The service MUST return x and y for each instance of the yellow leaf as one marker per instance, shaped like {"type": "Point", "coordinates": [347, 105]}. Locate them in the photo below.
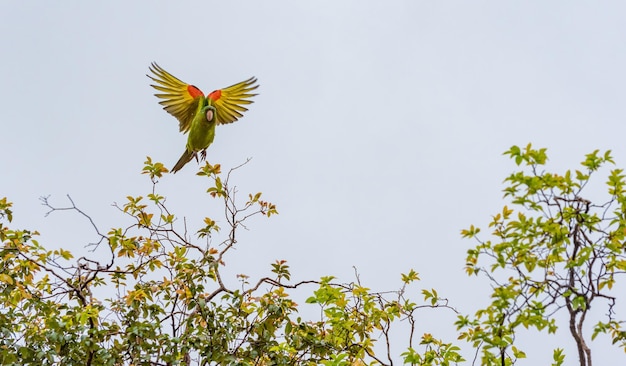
{"type": "Point", "coordinates": [6, 278]}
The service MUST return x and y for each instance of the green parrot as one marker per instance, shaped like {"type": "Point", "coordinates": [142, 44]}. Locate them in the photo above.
{"type": "Point", "coordinates": [198, 114]}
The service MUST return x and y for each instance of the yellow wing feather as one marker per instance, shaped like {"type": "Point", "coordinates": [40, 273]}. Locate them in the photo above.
{"type": "Point", "coordinates": [229, 102]}
{"type": "Point", "coordinates": [179, 98]}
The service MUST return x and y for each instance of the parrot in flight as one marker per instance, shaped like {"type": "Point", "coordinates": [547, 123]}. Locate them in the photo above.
{"type": "Point", "coordinates": [198, 115]}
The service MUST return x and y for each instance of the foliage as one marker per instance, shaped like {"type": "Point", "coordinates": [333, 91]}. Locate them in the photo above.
{"type": "Point", "coordinates": [554, 251]}
{"type": "Point", "coordinates": [160, 297]}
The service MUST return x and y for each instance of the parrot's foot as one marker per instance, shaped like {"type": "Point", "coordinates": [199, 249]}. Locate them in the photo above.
{"type": "Point", "coordinates": [195, 155]}
{"type": "Point", "coordinates": [203, 155]}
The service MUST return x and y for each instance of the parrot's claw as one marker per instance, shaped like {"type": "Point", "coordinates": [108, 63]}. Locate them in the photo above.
{"type": "Point", "coordinates": [203, 155]}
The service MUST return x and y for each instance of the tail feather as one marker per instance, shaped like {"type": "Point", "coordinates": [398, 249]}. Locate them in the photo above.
{"type": "Point", "coordinates": [187, 156]}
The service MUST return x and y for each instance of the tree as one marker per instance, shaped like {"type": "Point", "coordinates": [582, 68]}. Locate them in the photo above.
{"type": "Point", "coordinates": [160, 297]}
{"type": "Point", "coordinates": [555, 251]}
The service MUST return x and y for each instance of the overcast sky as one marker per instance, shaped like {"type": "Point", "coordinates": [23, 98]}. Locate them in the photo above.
{"type": "Point", "coordinates": [378, 131]}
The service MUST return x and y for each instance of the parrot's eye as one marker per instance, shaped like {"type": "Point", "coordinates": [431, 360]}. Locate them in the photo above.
{"type": "Point", "coordinates": [209, 115]}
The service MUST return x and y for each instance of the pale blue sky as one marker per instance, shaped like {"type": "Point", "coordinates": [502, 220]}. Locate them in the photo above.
{"type": "Point", "coordinates": [378, 130]}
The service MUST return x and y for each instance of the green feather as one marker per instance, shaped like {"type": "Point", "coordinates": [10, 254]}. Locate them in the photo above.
{"type": "Point", "coordinates": [201, 134]}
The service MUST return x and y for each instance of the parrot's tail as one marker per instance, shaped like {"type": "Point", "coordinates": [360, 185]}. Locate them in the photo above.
{"type": "Point", "coordinates": [187, 155]}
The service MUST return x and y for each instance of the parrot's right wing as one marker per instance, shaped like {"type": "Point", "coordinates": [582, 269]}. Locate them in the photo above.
{"type": "Point", "coordinates": [179, 99]}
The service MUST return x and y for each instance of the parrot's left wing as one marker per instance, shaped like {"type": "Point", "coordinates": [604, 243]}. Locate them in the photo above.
{"type": "Point", "coordinates": [179, 98]}
{"type": "Point", "coordinates": [229, 102]}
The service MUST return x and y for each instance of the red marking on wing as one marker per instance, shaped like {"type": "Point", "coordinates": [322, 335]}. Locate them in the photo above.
{"type": "Point", "coordinates": [215, 95]}
{"type": "Point", "coordinates": [193, 91]}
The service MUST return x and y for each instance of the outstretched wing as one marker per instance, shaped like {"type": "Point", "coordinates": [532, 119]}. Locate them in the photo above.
{"type": "Point", "coordinates": [229, 102]}
{"type": "Point", "coordinates": [179, 99]}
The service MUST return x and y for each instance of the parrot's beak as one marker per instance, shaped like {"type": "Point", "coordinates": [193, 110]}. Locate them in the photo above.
{"type": "Point", "coordinates": [209, 115]}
